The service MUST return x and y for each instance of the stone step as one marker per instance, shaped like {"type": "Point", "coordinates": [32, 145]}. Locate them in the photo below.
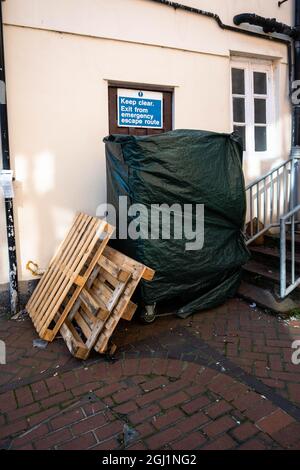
{"type": "Point", "coordinates": [264, 298]}
{"type": "Point", "coordinates": [257, 273]}
{"type": "Point", "coordinates": [273, 239]}
{"type": "Point", "coordinates": [271, 256]}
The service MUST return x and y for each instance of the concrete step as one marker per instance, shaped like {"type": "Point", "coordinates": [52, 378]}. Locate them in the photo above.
{"type": "Point", "coordinates": [261, 275]}
{"type": "Point", "coordinates": [271, 256]}
{"type": "Point", "coordinates": [273, 239]}
{"type": "Point", "coordinates": [266, 277]}
{"type": "Point", "coordinates": [264, 298]}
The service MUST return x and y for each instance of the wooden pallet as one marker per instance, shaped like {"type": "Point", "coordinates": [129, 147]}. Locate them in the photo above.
{"type": "Point", "coordinates": [124, 306]}
{"type": "Point", "coordinates": [103, 302]}
{"type": "Point", "coordinates": [68, 272]}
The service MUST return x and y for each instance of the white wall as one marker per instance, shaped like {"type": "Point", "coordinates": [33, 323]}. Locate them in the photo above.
{"type": "Point", "coordinates": [58, 103]}
{"type": "Point", "coordinates": [147, 22]}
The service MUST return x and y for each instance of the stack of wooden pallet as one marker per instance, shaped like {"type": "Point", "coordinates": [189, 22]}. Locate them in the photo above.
{"type": "Point", "coordinates": [86, 290]}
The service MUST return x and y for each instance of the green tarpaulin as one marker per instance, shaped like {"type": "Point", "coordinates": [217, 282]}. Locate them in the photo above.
{"type": "Point", "coordinates": [183, 167]}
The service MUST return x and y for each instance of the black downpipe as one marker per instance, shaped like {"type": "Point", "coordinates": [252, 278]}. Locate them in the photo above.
{"type": "Point", "coordinates": [295, 154]}
{"type": "Point", "coordinates": [290, 66]}
{"type": "Point", "coordinates": [269, 25]}
{"type": "Point", "coordinates": [10, 226]}
{"type": "Point", "coordinates": [296, 108]}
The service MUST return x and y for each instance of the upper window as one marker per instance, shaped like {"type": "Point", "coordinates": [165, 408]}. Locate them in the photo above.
{"type": "Point", "coordinates": [252, 104]}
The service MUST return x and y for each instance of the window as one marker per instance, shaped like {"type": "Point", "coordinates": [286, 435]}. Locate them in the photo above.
{"type": "Point", "coordinates": [252, 104]}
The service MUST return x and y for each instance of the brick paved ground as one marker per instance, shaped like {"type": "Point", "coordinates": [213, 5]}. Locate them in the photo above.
{"type": "Point", "coordinates": [221, 379]}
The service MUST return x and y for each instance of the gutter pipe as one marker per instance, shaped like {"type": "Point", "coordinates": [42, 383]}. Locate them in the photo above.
{"type": "Point", "coordinates": [215, 17]}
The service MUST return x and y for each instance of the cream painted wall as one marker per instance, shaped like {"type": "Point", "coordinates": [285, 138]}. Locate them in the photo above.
{"type": "Point", "coordinates": [146, 22]}
{"type": "Point", "coordinates": [58, 103]}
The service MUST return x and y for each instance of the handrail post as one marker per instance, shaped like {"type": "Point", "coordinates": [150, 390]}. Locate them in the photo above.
{"type": "Point", "coordinates": [293, 267]}
{"type": "Point", "coordinates": [294, 177]}
{"type": "Point", "coordinates": [292, 186]}
{"type": "Point", "coordinates": [296, 195]}
{"type": "Point", "coordinates": [282, 258]}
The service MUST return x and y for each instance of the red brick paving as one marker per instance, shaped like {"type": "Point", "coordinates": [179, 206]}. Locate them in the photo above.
{"type": "Point", "coordinates": [257, 342]}
{"type": "Point", "coordinates": [51, 401]}
{"type": "Point", "coordinates": [206, 420]}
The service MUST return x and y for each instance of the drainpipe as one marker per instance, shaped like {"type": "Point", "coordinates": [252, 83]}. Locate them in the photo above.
{"type": "Point", "coordinates": [10, 226]}
{"type": "Point", "coordinates": [269, 25]}
{"type": "Point", "coordinates": [295, 153]}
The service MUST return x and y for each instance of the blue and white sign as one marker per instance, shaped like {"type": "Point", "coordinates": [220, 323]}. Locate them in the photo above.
{"type": "Point", "coordinates": [138, 108]}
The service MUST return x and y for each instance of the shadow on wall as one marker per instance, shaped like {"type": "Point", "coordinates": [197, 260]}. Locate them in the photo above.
{"type": "Point", "coordinates": [48, 195]}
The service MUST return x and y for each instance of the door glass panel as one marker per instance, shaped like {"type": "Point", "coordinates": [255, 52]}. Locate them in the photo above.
{"type": "Point", "coordinates": [260, 111]}
{"type": "Point", "coordinates": [260, 83]}
{"type": "Point", "coordinates": [241, 130]}
{"type": "Point", "coordinates": [238, 81]}
{"type": "Point", "coordinates": [239, 109]}
{"type": "Point", "coordinates": [260, 139]}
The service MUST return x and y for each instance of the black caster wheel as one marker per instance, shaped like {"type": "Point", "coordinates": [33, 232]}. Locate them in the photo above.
{"type": "Point", "coordinates": [148, 314]}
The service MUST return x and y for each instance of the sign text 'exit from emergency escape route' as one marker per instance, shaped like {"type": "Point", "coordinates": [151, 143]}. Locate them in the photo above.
{"type": "Point", "coordinates": [138, 108]}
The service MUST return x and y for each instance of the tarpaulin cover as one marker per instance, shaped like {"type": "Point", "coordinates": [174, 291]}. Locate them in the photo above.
{"type": "Point", "coordinates": [184, 167]}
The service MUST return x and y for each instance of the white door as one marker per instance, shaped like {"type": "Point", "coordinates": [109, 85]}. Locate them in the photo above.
{"type": "Point", "coordinates": [253, 109]}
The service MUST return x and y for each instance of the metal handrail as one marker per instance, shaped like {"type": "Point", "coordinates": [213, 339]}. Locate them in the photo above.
{"type": "Point", "coordinates": [268, 198]}
{"type": "Point", "coordinates": [270, 203]}
{"type": "Point", "coordinates": [261, 178]}
{"type": "Point", "coordinates": [284, 290]}
{"type": "Point", "coordinates": [289, 214]}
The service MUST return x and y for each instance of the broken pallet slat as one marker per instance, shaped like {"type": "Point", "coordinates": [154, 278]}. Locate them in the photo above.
{"type": "Point", "coordinates": [128, 263]}
{"type": "Point", "coordinates": [129, 311]}
{"type": "Point", "coordinates": [73, 340]}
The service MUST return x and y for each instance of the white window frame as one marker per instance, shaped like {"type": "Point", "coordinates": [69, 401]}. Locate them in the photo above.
{"type": "Point", "coordinates": [250, 65]}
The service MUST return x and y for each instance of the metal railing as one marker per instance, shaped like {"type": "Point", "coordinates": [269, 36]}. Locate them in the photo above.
{"type": "Point", "coordinates": [271, 202]}
{"type": "Point", "coordinates": [268, 198]}
{"type": "Point", "coordinates": [291, 219]}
